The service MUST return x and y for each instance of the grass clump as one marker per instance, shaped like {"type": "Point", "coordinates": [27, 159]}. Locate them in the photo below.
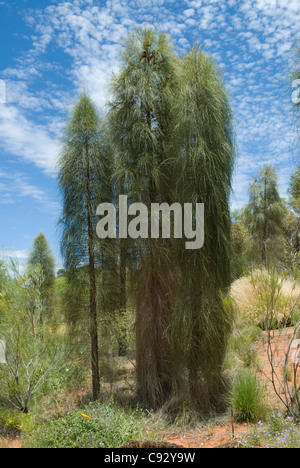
{"type": "Point", "coordinates": [95, 426]}
{"type": "Point", "coordinates": [246, 398]}
{"type": "Point", "coordinates": [265, 299]}
{"type": "Point", "coordinates": [241, 343]}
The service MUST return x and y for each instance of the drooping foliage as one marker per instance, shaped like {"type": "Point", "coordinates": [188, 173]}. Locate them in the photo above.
{"type": "Point", "coordinates": [140, 117]}
{"type": "Point", "coordinates": [170, 136]}
{"type": "Point", "coordinates": [204, 146]}
{"type": "Point", "coordinates": [84, 181]}
{"type": "Point", "coordinates": [173, 124]}
{"type": "Point", "coordinates": [42, 258]}
{"type": "Point", "coordinates": [296, 78]}
{"type": "Point", "coordinates": [294, 191]}
{"type": "Point", "coordinates": [265, 211]}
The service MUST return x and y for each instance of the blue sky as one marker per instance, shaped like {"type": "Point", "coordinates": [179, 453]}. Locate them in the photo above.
{"type": "Point", "coordinates": [51, 49]}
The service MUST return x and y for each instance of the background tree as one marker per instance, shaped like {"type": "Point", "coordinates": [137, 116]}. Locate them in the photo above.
{"type": "Point", "coordinates": [42, 259]}
{"type": "Point", "coordinates": [122, 339]}
{"type": "Point", "coordinates": [84, 181]}
{"type": "Point", "coordinates": [140, 116]}
{"type": "Point", "coordinates": [292, 224]}
{"type": "Point", "coordinates": [32, 353]}
{"type": "Point", "coordinates": [296, 76]}
{"type": "Point", "coordinates": [203, 143]}
{"type": "Point", "coordinates": [294, 191]}
{"type": "Point", "coordinates": [125, 258]}
{"type": "Point", "coordinates": [265, 211]}
{"type": "Point", "coordinates": [240, 245]}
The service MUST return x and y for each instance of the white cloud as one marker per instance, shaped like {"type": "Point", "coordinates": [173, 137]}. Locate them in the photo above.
{"type": "Point", "coordinates": [189, 12]}
{"type": "Point", "coordinates": [14, 187]}
{"type": "Point", "coordinates": [252, 40]}
{"type": "Point", "coordinates": [22, 254]}
{"type": "Point", "coordinates": [25, 139]}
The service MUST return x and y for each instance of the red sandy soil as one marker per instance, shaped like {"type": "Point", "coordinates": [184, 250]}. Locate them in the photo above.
{"type": "Point", "coordinates": [227, 433]}
{"type": "Point", "coordinates": [213, 437]}
{"type": "Point", "coordinates": [217, 436]}
{"type": "Point", "coordinates": [13, 443]}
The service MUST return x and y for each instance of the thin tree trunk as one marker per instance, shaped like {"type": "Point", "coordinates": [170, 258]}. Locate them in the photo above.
{"type": "Point", "coordinates": [94, 331]}
{"type": "Point", "coordinates": [264, 236]}
{"type": "Point", "coordinates": [123, 305]}
{"type": "Point", "coordinates": [93, 292]}
{"type": "Point", "coordinates": [263, 252]}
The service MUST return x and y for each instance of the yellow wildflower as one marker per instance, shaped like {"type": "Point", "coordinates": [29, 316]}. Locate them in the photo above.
{"type": "Point", "coordinates": [85, 416]}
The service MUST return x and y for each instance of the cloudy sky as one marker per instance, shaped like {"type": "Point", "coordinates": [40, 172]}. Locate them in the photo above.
{"type": "Point", "coordinates": [50, 50]}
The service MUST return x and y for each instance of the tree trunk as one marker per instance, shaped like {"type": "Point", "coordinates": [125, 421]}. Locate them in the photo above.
{"type": "Point", "coordinates": [93, 292]}
{"type": "Point", "coordinates": [94, 332]}
{"type": "Point", "coordinates": [123, 332]}
{"type": "Point", "coordinates": [264, 253]}
{"type": "Point", "coordinates": [153, 350]}
{"type": "Point", "coordinates": [265, 233]}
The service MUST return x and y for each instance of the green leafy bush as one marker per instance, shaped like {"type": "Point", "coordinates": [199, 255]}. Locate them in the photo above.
{"type": "Point", "coordinates": [97, 426]}
{"type": "Point", "coordinates": [241, 343]}
{"type": "Point", "coordinates": [246, 398]}
{"type": "Point", "coordinates": [13, 422]}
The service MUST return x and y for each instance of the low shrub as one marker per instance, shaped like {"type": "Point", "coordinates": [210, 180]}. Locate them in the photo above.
{"type": "Point", "coordinates": [15, 422]}
{"type": "Point", "coordinates": [96, 426]}
{"type": "Point", "coordinates": [265, 299]}
{"type": "Point", "coordinates": [241, 341]}
{"type": "Point", "coordinates": [278, 432]}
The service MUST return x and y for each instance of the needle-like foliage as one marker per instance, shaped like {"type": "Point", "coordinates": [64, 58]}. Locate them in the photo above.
{"type": "Point", "coordinates": [140, 115]}
{"type": "Point", "coordinates": [42, 257]}
{"type": "Point", "coordinates": [173, 124]}
{"type": "Point", "coordinates": [294, 191]}
{"type": "Point", "coordinates": [296, 77]}
{"type": "Point", "coordinates": [85, 182]}
{"type": "Point", "coordinates": [265, 211]}
{"type": "Point", "coordinates": [203, 143]}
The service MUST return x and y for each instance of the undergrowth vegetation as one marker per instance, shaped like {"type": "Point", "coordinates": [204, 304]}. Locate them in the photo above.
{"type": "Point", "coordinates": [95, 426]}
{"type": "Point", "coordinates": [278, 432]}
{"type": "Point", "coordinates": [265, 292]}
{"type": "Point", "coordinates": [246, 398]}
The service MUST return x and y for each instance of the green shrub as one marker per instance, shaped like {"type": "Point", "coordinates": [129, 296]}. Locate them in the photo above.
{"type": "Point", "coordinates": [246, 398]}
{"type": "Point", "coordinates": [266, 298]}
{"type": "Point", "coordinates": [97, 426]}
{"type": "Point", "coordinates": [295, 316]}
{"type": "Point", "coordinates": [241, 343]}
{"type": "Point", "coordinates": [67, 377]}
{"type": "Point", "coordinates": [15, 422]}
{"type": "Point", "coordinates": [251, 333]}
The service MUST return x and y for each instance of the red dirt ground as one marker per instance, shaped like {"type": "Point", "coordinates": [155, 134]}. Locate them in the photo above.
{"type": "Point", "coordinates": [220, 435]}
{"type": "Point", "coordinates": [213, 437]}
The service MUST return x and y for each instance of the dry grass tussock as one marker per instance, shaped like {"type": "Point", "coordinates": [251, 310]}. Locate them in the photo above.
{"type": "Point", "coordinates": [253, 295]}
